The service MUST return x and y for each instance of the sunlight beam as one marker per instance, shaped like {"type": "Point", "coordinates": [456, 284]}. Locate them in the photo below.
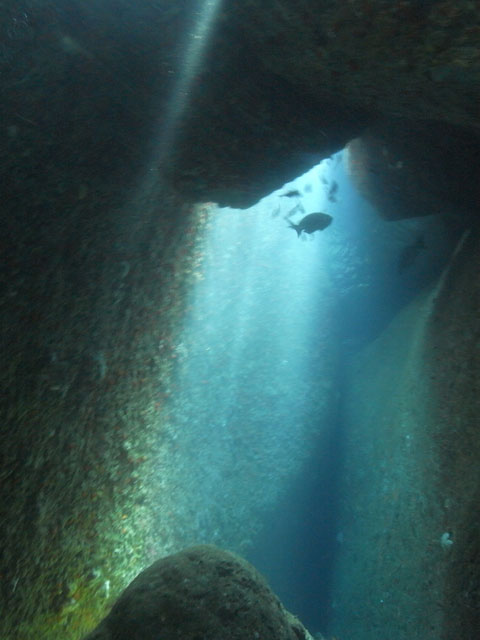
{"type": "Point", "coordinates": [195, 48]}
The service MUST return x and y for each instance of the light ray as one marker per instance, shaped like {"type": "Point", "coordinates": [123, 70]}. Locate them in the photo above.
{"type": "Point", "coordinates": [195, 47]}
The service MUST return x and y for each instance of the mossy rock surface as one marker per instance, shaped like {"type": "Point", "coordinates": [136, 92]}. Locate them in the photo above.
{"type": "Point", "coordinates": [201, 592]}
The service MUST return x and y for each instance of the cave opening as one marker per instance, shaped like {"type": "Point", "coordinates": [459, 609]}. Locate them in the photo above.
{"type": "Point", "coordinates": [177, 372]}
{"type": "Point", "coordinates": [273, 320]}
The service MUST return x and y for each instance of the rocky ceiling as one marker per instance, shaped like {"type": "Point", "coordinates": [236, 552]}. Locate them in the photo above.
{"type": "Point", "coordinates": [287, 82]}
{"type": "Point", "coordinates": [282, 85]}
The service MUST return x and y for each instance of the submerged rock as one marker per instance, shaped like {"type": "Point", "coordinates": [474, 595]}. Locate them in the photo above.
{"type": "Point", "coordinates": [201, 592]}
{"type": "Point", "coordinates": [409, 169]}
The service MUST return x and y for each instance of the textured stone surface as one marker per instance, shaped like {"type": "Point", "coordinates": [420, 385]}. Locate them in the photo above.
{"type": "Point", "coordinates": [284, 80]}
{"type": "Point", "coordinates": [415, 59]}
{"type": "Point", "coordinates": [409, 516]}
{"type": "Point", "coordinates": [202, 592]}
{"type": "Point", "coordinates": [279, 86]}
{"type": "Point", "coordinates": [411, 169]}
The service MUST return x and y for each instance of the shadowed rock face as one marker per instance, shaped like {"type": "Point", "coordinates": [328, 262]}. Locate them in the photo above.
{"type": "Point", "coordinates": [416, 60]}
{"type": "Point", "coordinates": [286, 84]}
{"type": "Point", "coordinates": [202, 592]}
{"type": "Point", "coordinates": [407, 169]}
{"type": "Point", "coordinates": [281, 85]}
{"type": "Point", "coordinates": [251, 131]}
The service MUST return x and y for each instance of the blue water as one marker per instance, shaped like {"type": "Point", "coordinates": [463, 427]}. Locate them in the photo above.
{"type": "Point", "coordinates": [257, 397]}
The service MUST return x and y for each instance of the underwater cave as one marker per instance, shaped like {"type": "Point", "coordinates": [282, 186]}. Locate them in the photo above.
{"type": "Point", "coordinates": [240, 313]}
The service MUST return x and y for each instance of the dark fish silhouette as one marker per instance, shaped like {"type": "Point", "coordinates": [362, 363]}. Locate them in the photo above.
{"type": "Point", "coordinates": [332, 192]}
{"type": "Point", "coordinates": [298, 208]}
{"type": "Point", "coordinates": [311, 223]}
{"type": "Point", "coordinates": [276, 212]}
{"type": "Point", "coordinates": [294, 193]}
{"type": "Point", "coordinates": [409, 254]}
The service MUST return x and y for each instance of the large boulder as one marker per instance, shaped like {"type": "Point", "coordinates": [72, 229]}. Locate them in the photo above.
{"type": "Point", "coordinates": [201, 592]}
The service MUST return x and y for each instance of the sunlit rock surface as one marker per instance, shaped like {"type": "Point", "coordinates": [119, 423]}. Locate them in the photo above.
{"type": "Point", "coordinates": [202, 592]}
{"type": "Point", "coordinates": [408, 555]}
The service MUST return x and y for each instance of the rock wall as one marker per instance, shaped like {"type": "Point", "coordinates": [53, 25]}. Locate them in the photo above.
{"type": "Point", "coordinates": [201, 592]}
{"type": "Point", "coordinates": [417, 60]}
{"type": "Point", "coordinates": [97, 238]}
{"type": "Point", "coordinates": [278, 87]}
{"type": "Point", "coordinates": [88, 351]}
{"type": "Point", "coordinates": [295, 80]}
{"type": "Point", "coordinates": [408, 533]}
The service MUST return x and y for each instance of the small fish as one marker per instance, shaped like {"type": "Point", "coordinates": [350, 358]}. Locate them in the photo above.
{"type": "Point", "coordinates": [293, 193]}
{"type": "Point", "coordinates": [276, 212]}
{"type": "Point", "coordinates": [332, 192]}
{"type": "Point", "coordinates": [298, 208]}
{"type": "Point", "coordinates": [409, 254]}
{"type": "Point", "coordinates": [311, 223]}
